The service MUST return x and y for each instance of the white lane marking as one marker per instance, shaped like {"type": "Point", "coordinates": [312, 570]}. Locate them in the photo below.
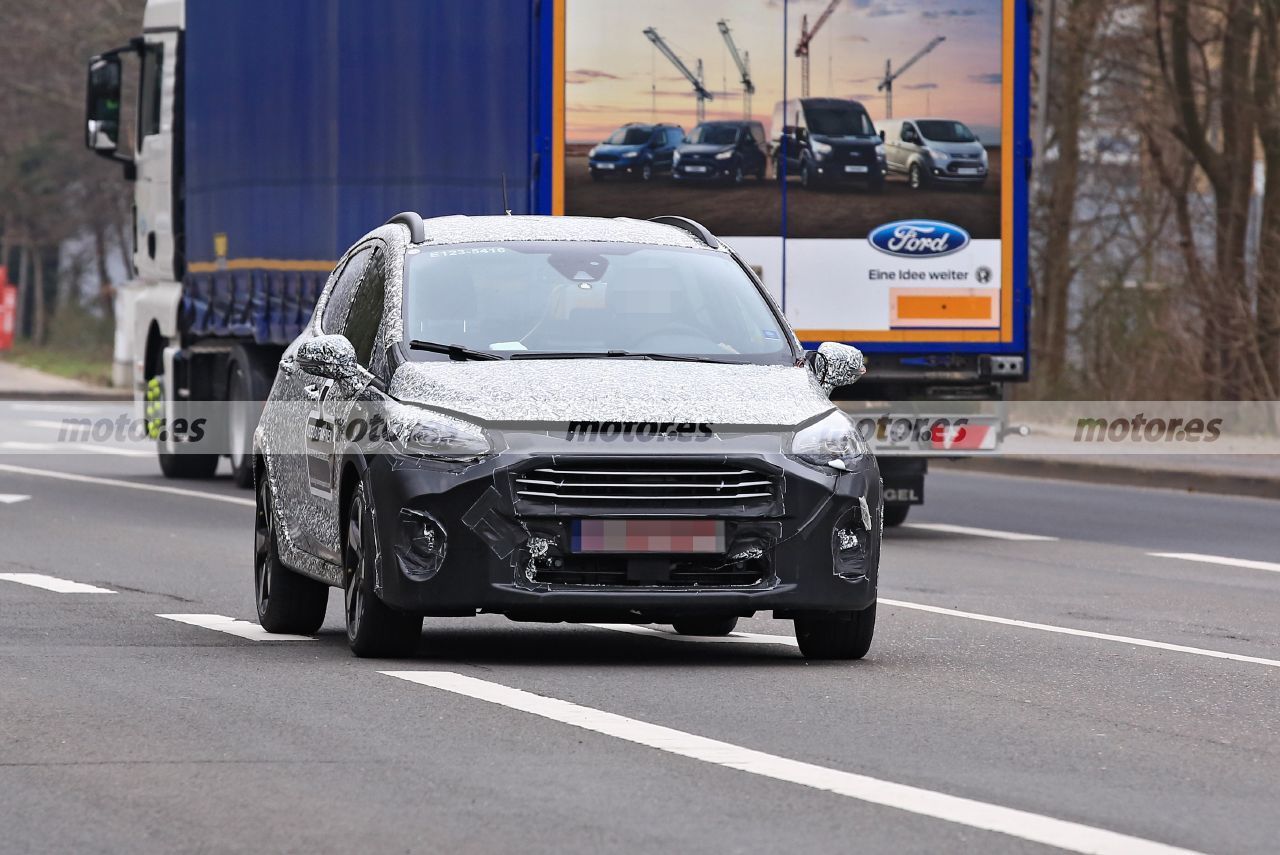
{"type": "Point", "coordinates": [1219, 559]}
{"type": "Point", "coordinates": [53, 583]}
{"type": "Point", "coordinates": [975, 814]}
{"type": "Point", "coordinates": [132, 485]}
{"type": "Point", "coordinates": [239, 628]}
{"type": "Point", "coordinates": [75, 448]}
{"type": "Point", "coordinates": [1084, 633]}
{"type": "Point", "coordinates": [977, 532]}
{"type": "Point", "coordinates": [12, 498]}
{"type": "Point", "coordinates": [732, 638]}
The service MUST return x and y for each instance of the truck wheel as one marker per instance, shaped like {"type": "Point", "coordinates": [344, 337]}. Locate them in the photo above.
{"type": "Point", "coordinates": [916, 178]}
{"type": "Point", "coordinates": [374, 629]}
{"type": "Point", "coordinates": [808, 178]}
{"type": "Point", "coordinates": [738, 175]}
{"type": "Point", "coordinates": [287, 601]}
{"type": "Point", "coordinates": [172, 465]}
{"type": "Point", "coordinates": [646, 172]}
{"type": "Point", "coordinates": [895, 514]}
{"type": "Point", "coordinates": [839, 635]}
{"type": "Point", "coordinates": [704, 625]}
{"type": "Point", "coordinates": [248, 384]}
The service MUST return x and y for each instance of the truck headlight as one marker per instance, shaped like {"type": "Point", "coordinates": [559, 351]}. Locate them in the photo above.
{"type": "Point", "coordinates": [418, 433]}
{"type": "Point", "coordinates": [834, 438]}
{"type": "Point", "coordinates": [592, 153]}
{"type": "Point", "coordinates": [632, 154]}
{"type": "Point", "coordinates": [675, 158]}
{"type": "Point", "coordinates": [880, 150]}
{"type": "Point", "coordinates": [821, 149]}
{"type": "Point", "coordinates": [939, 157]}
{"type": "Point", "coordinates": [725, 155]}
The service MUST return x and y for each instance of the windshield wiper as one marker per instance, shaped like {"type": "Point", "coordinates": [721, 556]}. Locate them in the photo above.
{"type": "Point", "coordinates": [455, 351]}
{"type": "Point", "coordinates": [613, 354]}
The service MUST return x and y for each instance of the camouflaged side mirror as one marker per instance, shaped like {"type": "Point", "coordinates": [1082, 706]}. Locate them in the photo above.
{"type": "Point", "coordinates": [330, 356]}
{"type": "Point", "coordinates": [834, 365]}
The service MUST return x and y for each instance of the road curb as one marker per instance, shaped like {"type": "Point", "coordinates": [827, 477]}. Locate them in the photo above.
{"type": "Point", "coordinates": [1217, 483]}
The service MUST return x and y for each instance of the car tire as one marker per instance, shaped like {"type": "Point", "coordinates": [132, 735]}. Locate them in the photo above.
{"type": "Point", "coordinates": [916, 177]}
{"type": "Point", "coordinates": [287, 601]}
{"type": "Point", "coordinates": [705, 625]}
{"type": "Point", "coordinates": [595, 176]}
{"type": "Point", "coordinates": [184, 465]}
{"type": "Point", "coordinates": [374, 629]}
{"type": "Point", "coordinates": [895, 513]}
{"type": "Point", "coordinates": [838, 635]}
{"type": "Point", "coordinates": [738, 175]}
{"type": "Point", "coordinates": [808, 179]}
{"type": "Point", "coordinates": [248, 384]}
{"type": "Point", "coordinates": [646, 172]}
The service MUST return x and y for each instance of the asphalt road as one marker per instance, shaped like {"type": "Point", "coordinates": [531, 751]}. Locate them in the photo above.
{"type": "Point", "coordinates": [755, 207]}
{"type": "Point", "coordinates": [1116, 693]}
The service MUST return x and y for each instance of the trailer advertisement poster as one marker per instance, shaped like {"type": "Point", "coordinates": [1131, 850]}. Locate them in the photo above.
{"type": "Point", "coordinates": [855, 152]}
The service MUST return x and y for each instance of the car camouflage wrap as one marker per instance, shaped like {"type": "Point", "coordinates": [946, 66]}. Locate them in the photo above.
{"type": "Point", "coordinates": [620, 486]}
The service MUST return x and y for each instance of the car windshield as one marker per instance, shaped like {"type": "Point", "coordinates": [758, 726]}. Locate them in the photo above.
{"type": "Point", "coordinates": [945, 131]}
{"type": "Point", "coordinates": [839, 122]}
{"type": "Point", "coordinates": [564, 298]}
{"type": "Point", "coordinates": [713, 135]}
{"type": "Point", "coordinates": [630, 136]}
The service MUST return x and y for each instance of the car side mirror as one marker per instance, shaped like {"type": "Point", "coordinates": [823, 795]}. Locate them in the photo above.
{"type": "Point", "coordinates": [834, 365]}
{"type": "Point", "coordinates": [882, 136]}
{"type": "Point", "coordinates": [332, 357]}
{"type": "Point", "coordinates": [102, 105]}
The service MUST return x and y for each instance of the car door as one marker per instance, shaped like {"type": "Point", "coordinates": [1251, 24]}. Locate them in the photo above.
{"type": "Point", "coordinates": [303, 468]}
{"type": "Point", "coordinates": [347, 404]}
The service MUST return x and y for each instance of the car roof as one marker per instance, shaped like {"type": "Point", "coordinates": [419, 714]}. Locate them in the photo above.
{"type": "Point", "coordinates": [464, 229]}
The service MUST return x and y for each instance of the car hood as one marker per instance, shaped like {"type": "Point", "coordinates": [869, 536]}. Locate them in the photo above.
{"type": "Point", "coordinates": [703, 148]}
{"type": "Point", "coordinates": [613, 390]}
{"type": "Point", "coordinates": [605, 148]}
{"type": "Point", "coordinates": [956, 147]}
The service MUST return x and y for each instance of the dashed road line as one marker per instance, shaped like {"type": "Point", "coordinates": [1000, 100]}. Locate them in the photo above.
{"type": "Point", "coordinates": [947, 528]}
{"type": "Point", "coordinates": [131, 485]}
{"type": "Point", "coordinates": [12, 498]}
{"type": "Point", "coordinates": [1084, 633]}
{"type": "Point", "coordinates": [53, 583]}
{"type": "Point", "coordinates": [239, 628]}
{"type": "Point", "coordinates": [1219, 559]}
{"type": "Point", "coordinates": [1021, 824]}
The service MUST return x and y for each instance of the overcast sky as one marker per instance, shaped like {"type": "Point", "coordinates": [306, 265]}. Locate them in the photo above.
{"type": "Point", "coordinates": [613, 71]}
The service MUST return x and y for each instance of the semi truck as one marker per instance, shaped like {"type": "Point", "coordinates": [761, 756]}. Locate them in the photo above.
{"type": "Point", "coordinates": [264, 138]}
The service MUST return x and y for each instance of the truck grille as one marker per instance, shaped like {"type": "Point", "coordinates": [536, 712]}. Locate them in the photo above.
{"type": "Point", "coordinates": [641, 487]}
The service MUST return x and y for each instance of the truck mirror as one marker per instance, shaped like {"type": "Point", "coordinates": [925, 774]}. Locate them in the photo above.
{"type": "Point", "coordinates": [882, 136]}
{"type": "Point", "coordinates": [102, 110]}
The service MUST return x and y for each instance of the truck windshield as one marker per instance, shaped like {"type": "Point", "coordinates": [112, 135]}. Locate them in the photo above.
{"type": "Point", "coordinates": [564, 299]}
{"type": "Point", "coordinates": [714, 135]}
{"type": "Point", "coordinates": [630, 136]}
{"type": "Point", "coordinates": [839, 122]}
{"type": "Point", "coordinates": [945, 131]}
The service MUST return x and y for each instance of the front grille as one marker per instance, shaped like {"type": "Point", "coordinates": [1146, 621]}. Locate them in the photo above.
{"type": "Point", "coordinates": [853, 155]}
{"type": "Point", "coordinates": [641, 487]}
{"type": "Point", "coordinates": [606, 158]}
{"type": "Point", "coordinates": [693, 572]}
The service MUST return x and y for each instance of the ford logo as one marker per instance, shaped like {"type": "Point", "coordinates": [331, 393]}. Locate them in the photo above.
{"type": "Point", "coordinates": [919, 238]}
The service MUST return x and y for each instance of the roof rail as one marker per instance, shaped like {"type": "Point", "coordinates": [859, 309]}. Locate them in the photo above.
{"type": "Point", "coordinates": [413, 220]}
{"type": "Point", "coordinates": [693, 227]}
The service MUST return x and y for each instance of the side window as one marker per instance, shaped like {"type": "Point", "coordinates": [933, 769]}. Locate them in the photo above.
{"type": "Point", "coordinates": [363, 319]}
{"type": "Point", "coordinates": [149, 92]}
{"type": "Point", "coordinates": [676, 135]}
{"type": "Point", "coordinates": [757, 131]}
{"type": "Point", "coordinates": [908, 132]}
{"type": "Point", "coordinates": [335, 307]}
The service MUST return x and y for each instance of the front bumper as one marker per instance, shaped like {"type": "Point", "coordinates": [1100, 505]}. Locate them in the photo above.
{"type": "Point", "coordinates": [711, 170]}
{"type": "Point", "coordinates": [837, 171]}
{"type": "Point", "coordinates": [500, 553]}
{"type": "Point", "coordinates": [629, 166]}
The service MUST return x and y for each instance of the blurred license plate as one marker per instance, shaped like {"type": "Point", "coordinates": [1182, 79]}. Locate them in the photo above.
{"type": "Point", "coordinates": [969, 171]}
{"type": "Point", "coordinates": [855, 169]}
{"type": "Point", "coordinates": [604, 166]}
{"type": "Point", "coordinates": [695, 169]}
{"type": "Point", "coordinates": [642, 536]}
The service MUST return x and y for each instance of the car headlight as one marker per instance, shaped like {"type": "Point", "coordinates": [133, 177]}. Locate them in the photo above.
{"type": "Point", "coordinates": [419, 433]}
{"type": "Point", "coordinates": [675, 158]}
{"type": "Point", "coordinates": [821, 149]}
{"type": "Point", "coordinates": [632, 154]}
{"type": "Point", "coordinates": [835, 438]}
{"type": "Point", "coordinates": [592, 153]}
{"type": "Point", "coordinates": [938, 156]}
{"type": "Point", "coordinates": [725, 155]}
{"type": "Point", "coordinates": [880, 150]}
